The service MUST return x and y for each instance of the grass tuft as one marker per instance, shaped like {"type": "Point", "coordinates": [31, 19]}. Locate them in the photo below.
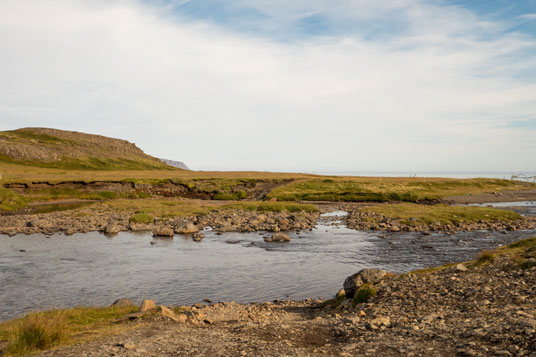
{"type": "Point", "coordinates": [37, 332]}
{"type": "Point", "coordinates": [230, 196]}
{"type": "Point", "coordinates": [485, 257]}
{"type": "Point", "coordinates": [141, 217]}
{"type": "Point", "coordinates": [364, 294]}
{"type": "Point", "coordinates": [44, 330]}
{"type": "Point", "coordinates": [11, 201]}
{"type": "Point", "coordinates": [277, 206]}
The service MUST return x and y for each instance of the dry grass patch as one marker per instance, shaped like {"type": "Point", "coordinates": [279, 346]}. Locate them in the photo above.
{"type": "Point", "coordinates": [23, 173]}
{"type": "Point", "coordinates": [385, 189]}
{"type": "Point", "coordinates": [410, 213]}
{"type": "Point", "coordinates": [45, 330]}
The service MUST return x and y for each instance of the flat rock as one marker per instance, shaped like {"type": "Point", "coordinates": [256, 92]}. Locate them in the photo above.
{"type": "Point", "coordinates": [461, 267]}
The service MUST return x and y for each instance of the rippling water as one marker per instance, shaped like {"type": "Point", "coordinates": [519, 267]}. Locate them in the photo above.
{"type": "Point", "coordinates": [37, 272]}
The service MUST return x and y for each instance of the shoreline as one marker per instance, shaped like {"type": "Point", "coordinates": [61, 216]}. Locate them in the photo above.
{"type": "Point", "coordinates": [111, 221]}
{"type": "Point", "coordinates": [483, 307]}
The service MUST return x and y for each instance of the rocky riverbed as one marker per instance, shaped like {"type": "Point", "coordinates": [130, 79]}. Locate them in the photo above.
{"type": "Point", "coordinates": [484, 308]}
{"type": "Point", "coordinates": [112, 221]}
{"type": "Point", "coordinates": [107, 220]}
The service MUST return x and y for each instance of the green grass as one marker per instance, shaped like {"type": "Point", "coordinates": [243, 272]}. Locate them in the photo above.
{"type": "Point", "coordinates": [57, 193]}
{"type": "Point", "coordinates": [277, 206]}
{"type": "Point", "coordinates": [361, 189]}
{"type": "Point", "coordinates": [519, 252]}
{"type": "Point", "coordinates": [230, 196]}
{"type": "Point", "coordinates": [141, 217]}
{"type": "Point", "coordinates": [59, 207]}
{"type": "Point", "coordinates": [335, 302]}
{"type": "Point", "coordinates": [29, 134]}
{"type": "Point", "coordinates": [161, 208]}
{"type": "Point", "coordinates": [364, 294]}
{"type": "Point", "coordinates": [11, 201]}
{"type": "Point", "coordinates": [45, 330]}
{"type": "Point", "coordinates": [91, 163]}
{"type": "Point", "coordinates": [410, 213]}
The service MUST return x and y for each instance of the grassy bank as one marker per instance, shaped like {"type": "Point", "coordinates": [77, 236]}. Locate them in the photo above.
{"type": "Point", "coordinates": [410, 213]}
{"type": "Point", "coordinates": [386, 189]}
{"type": "Point", "coordinates": [22, 173]}
{"type": "Point", "coordinates": [46, 330]}
{"type": "Point", "coordinates": [11, 201]}
{"type": "Point", "coordinates": [272, 206]}
{"type": "Point", "coordinates": [166, 208]}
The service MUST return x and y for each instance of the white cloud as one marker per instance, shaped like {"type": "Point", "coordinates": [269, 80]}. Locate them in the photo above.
{"type": "Point", "coordinates": [436, 97]}
{"type": "Point", "coordinates": [528, 16]}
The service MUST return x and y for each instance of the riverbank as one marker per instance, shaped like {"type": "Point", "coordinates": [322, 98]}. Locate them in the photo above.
{"type": "Point", "coordinates": [483, 307]}
{"type": "Point", "coordinates": [408, 217]}
{"type": "Point", "coordinates": [181, 216]}
{"type": "Point", "coordinates": [187, 216]}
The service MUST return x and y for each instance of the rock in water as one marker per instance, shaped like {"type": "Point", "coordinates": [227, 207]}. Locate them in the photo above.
{"type": "Point", "coordinates": [188, 229]}
{"type": "Point", "coordinates": [163, 232]}
{"type": "Point", "coordinates": [111, 228]}
{"type": "Point", "coordinates": [354, 282]}
{"type": "Point", "coordinates": [198, 236]}
{"type": "Point", "coordinates": [122, 302]}
{"type": "Point", "coordinates": [147, 305]}
{"type": "Point", "coordinates": [278, 237]}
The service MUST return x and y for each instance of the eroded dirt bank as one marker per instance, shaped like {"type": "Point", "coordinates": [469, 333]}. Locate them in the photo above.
{"type": "Point", "coordinates": [487, 308]}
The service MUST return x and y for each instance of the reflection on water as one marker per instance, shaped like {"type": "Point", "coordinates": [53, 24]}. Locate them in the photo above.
{"type": "Point", "coordinates": [92, 269]}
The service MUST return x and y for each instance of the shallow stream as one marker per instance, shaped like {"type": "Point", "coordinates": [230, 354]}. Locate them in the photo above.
{"type": "Point", "coordinates": [38, 272]}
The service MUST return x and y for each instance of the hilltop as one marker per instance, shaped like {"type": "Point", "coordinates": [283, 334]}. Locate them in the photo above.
{"type": "Point", "coordinates": [53, 148]}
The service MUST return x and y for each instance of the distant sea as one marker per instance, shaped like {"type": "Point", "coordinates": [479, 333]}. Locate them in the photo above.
{"type": "Point", "coordinates": [525, 176]}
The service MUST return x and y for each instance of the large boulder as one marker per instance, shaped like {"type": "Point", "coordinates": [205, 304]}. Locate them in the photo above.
{"type": "Point", "coordinates": [278, 237]}
{"type": "Point", "coordinates": [163, 232]}
{"type": "Point", "coordinates": [365, 276]}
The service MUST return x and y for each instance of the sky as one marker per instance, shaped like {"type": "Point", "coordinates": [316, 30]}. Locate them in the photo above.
{"type": "Point", "coordinates": [278, 85]}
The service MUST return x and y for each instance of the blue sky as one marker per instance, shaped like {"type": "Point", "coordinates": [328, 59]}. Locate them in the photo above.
{"type": "Point", "coordinates": [302, 85]}
{"type": "Point", "coordinates": [311, 20]}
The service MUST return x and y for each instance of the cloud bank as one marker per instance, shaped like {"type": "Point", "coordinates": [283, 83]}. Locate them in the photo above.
{"type": "Point", "coordinates": [439, 90]}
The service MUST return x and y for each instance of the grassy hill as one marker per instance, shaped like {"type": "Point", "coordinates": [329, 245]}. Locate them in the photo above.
{"type": "Point", "coordinates": [60, 149]}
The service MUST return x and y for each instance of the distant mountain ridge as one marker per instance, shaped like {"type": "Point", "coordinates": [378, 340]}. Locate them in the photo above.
{"type": "Point", "coordinates": [54, 148]}
{"type": "Point", "coordinates": [177, 164]}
